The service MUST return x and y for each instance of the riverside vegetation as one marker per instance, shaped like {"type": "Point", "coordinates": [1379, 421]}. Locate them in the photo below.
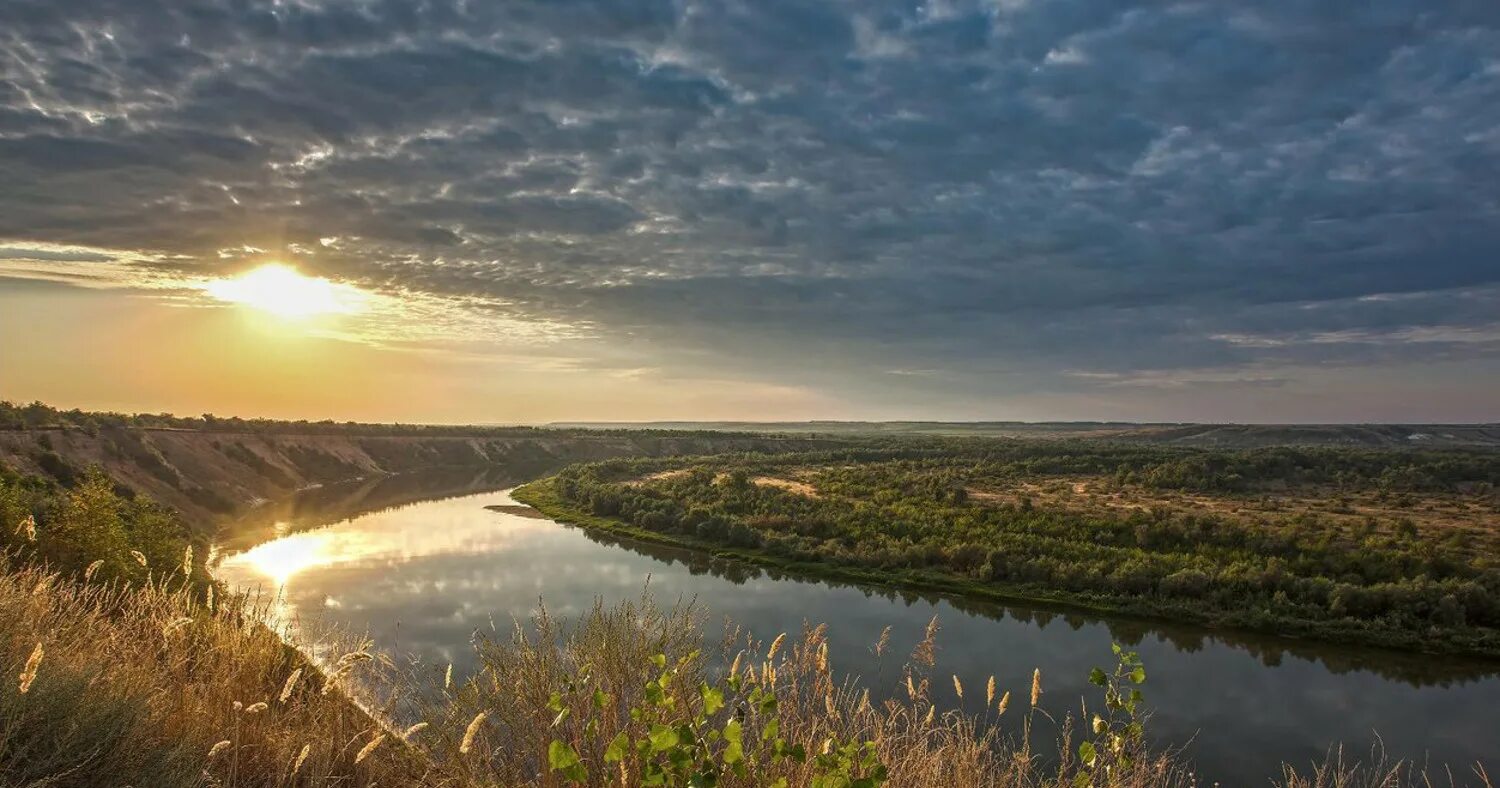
{"type": "Point", "coordinates": [1377, 547]}
{"type": "Point", "coordinates": [125, 665]}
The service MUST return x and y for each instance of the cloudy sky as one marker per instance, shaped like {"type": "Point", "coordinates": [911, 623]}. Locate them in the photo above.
{"type": "Point", "coordinates": [1263, 210]}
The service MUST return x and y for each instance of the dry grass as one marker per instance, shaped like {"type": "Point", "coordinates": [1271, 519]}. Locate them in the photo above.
{"type": "Point", "coordinates": [790, 485]}
{"type": "Point", "coordinates": [1381, 772]}
{"type": "Point", "coordinates": [143, 686]}
{"type": "Point", "coordinates": [1435, 513]}
{"type": "Point", "coordinates": [502, 715]}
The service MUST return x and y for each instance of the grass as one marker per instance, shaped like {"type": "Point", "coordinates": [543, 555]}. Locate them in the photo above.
{"type": "Point", "coordinates": [140, 684]}
{"type": "Point", "coordinates": [109, 684]}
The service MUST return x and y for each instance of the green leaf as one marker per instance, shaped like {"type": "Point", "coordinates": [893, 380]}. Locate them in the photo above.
{"type": "Point", "coordinates": [599, 699]}
{"type": "Point", "coordinates": [773, 727]}
{"type": "Point", "coordinates": [713, 699]}
{"type": "Point", "coordinates": [563, 758]}
{"type": "Point", "coordinates": [1097, 676]}
{"type": "Point", "coordinates": [659, 660]}
{"type": "Point", "coordinates": [663, 738]}
{"type": "Point", "coordinates": [734, 736]}
{"type": "Point", "coordinates": [1138, 675]}
{"type": "Point", "coordinates": [1087, 754]}
{"type": "Point", "coordinates": [615, 752]}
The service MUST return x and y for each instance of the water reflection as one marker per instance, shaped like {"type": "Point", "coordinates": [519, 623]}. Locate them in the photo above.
{"type": "Point", "coordinates": [422, 578]}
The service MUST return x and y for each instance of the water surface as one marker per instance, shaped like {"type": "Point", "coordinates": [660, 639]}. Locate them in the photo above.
{"type": "Point", "coordinates": [422, 577]}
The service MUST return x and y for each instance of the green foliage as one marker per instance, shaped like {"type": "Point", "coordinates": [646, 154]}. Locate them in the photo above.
{"type": "Point", "coordinates": [903, 514]}
{"type": "Point", "coordinates": [1119, 733]}
{"type": "Point", "coordinates": [698, 740]}
{"type": "Point", "coordinates": [91, 528]}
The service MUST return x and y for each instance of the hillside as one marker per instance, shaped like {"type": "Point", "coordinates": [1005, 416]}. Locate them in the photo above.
{"type": "Point", "coordinates": [207, 474]}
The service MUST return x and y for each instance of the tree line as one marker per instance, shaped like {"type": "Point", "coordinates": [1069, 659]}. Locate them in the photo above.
{"type": "Point", "coordinates": [909, 512]}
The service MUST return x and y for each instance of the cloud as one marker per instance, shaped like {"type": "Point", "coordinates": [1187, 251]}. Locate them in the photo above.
{"type": "Point", "coordinates": [1003, 195]}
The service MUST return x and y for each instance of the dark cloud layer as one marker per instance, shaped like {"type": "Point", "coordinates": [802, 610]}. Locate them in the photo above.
{"type": "Point", "coordinates": [1020, 196]}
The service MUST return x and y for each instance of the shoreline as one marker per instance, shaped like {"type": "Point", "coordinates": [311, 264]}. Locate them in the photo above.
{"type": "Point", "coordinates": [540, 495]}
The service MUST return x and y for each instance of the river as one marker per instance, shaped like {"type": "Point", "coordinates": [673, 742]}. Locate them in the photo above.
{"type": "Point", "coordinates": [421, 576]}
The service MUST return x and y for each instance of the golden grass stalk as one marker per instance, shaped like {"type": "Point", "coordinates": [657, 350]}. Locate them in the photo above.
{"type": "Point", "coordinates": [33, 664]}
{"type": "Point", "coordinates": [958, 687]}
{"type": "Point", "coordinates": [187, 561]}
{"type": "Point", "coordinates": [291, 684]}
{"type": "Point", "coordinates": [472, 731]}
{"type": "Point", "coordinates": [219, 747]}
{"type": "Point", "coordinates": [27, 527]}
{"type": "Point", "coordinates": [139, 557]}
{"type": "Point", "coordinates": [776, 646]}
{"type": "Point", "coordinates": [989, 692]}
{"type": "Point", "coordinates": [88, 574]}
{"type": "Point", "coordinates": [301, 757]}
{"type": "Point", "coordinates": [175, 624]}
{"type": "Point", "coordinates": [1036, 687]}
{"type": "Point", "coordinates": [414, 730]}
{"type": "Point", "coordinates": [925, 653]}
{"type": "Point", "coordinates": [369, 748]}
{"type": "Point", "coordinates": [256, 708]}
{"type": "Point", "coordinates": [1004, 702]}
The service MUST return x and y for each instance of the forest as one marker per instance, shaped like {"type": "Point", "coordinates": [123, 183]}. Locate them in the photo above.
{"type": "Point", "coordinates": [1381, 547]}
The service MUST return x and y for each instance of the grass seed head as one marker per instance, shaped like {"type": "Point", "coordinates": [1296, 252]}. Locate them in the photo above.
{"type": "Point", "coordinates": [471, 732]}
{"type": "Point", "coordinates": [33, 664]}
{"type": "Point", "coordinates": [291, 684]}
{"type": "Point", "coordinates": [369, 748]}
{"type": "Point", "coordinates": [301, 757]}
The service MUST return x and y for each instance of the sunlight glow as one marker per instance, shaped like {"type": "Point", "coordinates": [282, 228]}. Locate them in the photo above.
{"type": "Point", "coordinates": [283, 291]}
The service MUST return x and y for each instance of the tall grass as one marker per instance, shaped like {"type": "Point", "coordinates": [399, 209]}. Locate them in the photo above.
{"type": "Point", "coordinates": [142, 685]}
{"type": "Point", "coordinates": [151, 685]}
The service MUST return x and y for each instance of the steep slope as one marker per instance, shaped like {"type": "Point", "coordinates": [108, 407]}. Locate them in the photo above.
{"type": "Point", "coordinates": [209, 475]}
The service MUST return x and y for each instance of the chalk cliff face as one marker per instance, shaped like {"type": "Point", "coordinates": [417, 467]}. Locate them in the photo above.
{"type": "Point", "coordinates": [209, 476]}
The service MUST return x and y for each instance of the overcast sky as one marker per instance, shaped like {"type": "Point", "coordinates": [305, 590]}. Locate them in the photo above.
{"type": "Point", "coordinates": [1013, 209]}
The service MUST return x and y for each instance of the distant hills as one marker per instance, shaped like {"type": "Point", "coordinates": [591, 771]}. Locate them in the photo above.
{"type": "Point", "coordinates": [1182, 434]}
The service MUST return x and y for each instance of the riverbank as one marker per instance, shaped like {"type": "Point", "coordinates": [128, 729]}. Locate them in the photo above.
{"type": "Point", "coordinates": [543, 495]}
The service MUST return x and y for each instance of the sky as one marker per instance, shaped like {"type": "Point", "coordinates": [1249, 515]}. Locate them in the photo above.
{"type": "Point", "coordinates": [500, 212]}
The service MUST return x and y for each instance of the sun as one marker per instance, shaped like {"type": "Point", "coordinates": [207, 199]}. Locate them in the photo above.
{"type": "Point", "coordinates": [283, 291]}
